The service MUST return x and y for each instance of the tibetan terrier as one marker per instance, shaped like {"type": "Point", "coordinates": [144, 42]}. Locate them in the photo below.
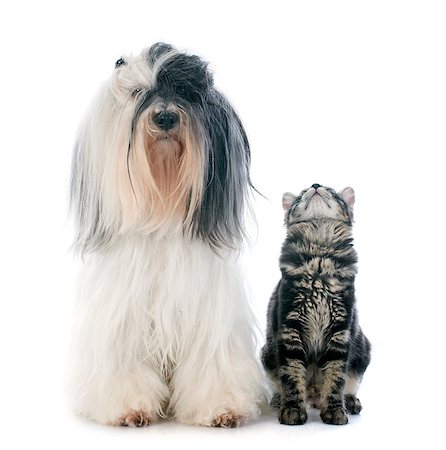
{"type": "Point", "coordinates": [160, 180]}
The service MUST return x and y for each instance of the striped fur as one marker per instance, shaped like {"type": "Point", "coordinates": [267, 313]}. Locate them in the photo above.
{"type": "Point", "coordinates": [315, 349]}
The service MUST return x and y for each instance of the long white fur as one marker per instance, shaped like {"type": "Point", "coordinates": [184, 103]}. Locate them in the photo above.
{"type": "Point", "coordinates": [176, 312]}
{"type": "Point", "coordinates": [162, 322]}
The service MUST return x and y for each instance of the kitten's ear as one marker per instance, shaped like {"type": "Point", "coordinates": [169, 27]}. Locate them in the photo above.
{"type": "Point", "coordinates": [348, 195]}
{"type": "Point", "coordinates": [287, 200]}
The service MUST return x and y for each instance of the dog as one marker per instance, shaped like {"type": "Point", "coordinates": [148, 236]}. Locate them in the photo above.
{"type": "Point", "coordinates": [159, 187]}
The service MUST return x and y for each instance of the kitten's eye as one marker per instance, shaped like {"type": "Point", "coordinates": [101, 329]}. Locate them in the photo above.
{"type": "Point", "coordinates": [136, 92]}
{"type": "Point", "coordinates": [120, 62]}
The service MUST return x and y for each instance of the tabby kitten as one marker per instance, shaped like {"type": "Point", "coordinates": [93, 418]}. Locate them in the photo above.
{"type": "Point", "coordinates": [315, 350]}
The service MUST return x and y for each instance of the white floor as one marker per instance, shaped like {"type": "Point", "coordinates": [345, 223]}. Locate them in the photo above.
{"type": "Point", "coordinates": [382, 423]}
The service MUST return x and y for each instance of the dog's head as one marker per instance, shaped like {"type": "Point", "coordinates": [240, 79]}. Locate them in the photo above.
{"type": "Point", "coordinates": [160, 150]}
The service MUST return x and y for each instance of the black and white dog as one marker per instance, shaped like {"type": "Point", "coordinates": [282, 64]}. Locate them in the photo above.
{"type": "Point", "coordinates": [160, 180]}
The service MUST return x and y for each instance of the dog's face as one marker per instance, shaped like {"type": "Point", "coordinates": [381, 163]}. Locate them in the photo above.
{"type": "Point", "coordinates": [164, 94]}
{"type": "Point", "coordinates": [168, 151]}
{"type": "Point", "coordinates": [318, 202]}
{"type": "Point", "coordinates": [165, 89]}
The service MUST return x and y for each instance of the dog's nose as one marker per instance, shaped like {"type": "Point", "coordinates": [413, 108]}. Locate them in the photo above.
{"type": "Point", "coordinates": [166, 120]}
{"type": "Point", "coordinates": [315, 186]}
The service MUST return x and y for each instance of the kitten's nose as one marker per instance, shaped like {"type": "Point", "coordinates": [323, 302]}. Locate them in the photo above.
{"type": "Point", "coordinates": [315, 186]}
{"type": "Point", "coordinates": [166, 120]}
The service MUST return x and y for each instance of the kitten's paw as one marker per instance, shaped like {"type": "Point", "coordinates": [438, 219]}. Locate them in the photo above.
{"type": "Point", "coordinates": [352, 404]}
{"type": "Point", "coordinates": [228, 420]}
{"type": "Point", "coordinates": [292, 416]}
{"type": "Point", "coordinates": [336, 416]}
{"type": "Point", "coordinates": [136, 418]}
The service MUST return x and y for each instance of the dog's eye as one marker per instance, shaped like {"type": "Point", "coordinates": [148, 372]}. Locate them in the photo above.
{"type": "Point", "coordinates": [120, 62]}
{"type": "Point", "coordinates": [136, 92]}
{"type": "Point", "coordinates": [181, 90]}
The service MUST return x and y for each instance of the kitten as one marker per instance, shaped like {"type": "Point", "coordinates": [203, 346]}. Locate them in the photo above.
{"type": "Point", "coordinates": [315, 349]}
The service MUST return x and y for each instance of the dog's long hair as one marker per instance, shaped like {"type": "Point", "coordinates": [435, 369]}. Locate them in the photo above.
{"type": "Point", "coordinates": [160, 180]}
{"type": "Point", "coordinates": [128, 176]}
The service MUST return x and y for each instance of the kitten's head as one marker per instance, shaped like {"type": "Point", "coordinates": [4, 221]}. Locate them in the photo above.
{"type": "Point", "coordinates": [319, 202]}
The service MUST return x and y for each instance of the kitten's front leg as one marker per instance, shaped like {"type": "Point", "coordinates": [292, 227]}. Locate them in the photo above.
{"type": "Point", "coordinates": [333, 367]}
{"type": "Point", "coordinates": [292, 374]}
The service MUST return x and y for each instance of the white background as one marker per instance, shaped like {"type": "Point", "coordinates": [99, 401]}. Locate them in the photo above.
{"type": "Point", "coordinates": [338, 93]}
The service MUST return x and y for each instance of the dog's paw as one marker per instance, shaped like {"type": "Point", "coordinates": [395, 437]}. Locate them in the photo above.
{"type": "Point", "coordinates": [335, 416]}
{"type": "Point", "coordinates": [228, 420]}
{"type": "Point", "coordinates": [352, 404]}
{"type": "Point", "coordinates": [136, 418]}
{"type": "Point", "coordinates": [292, 415]}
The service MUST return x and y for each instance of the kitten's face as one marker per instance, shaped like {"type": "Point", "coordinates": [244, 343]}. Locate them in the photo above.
{"type": "Point", "coordinates": [319, 202]}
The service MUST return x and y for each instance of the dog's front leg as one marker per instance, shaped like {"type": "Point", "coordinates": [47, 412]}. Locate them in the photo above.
{"type": "Point", "coordinates": [217, 381]}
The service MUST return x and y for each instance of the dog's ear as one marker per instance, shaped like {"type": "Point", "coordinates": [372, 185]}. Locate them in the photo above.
{"type": "Point", "coordinates": [86, 204]}
{"type": "Point", "coordinates": [94, 226]}
{"type": "Point", "coordinates": [220, 219]}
